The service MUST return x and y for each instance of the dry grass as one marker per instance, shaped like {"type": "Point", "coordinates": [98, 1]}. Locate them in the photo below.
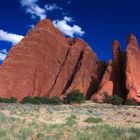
{"type": "Point", "coordinates": [67, 122]}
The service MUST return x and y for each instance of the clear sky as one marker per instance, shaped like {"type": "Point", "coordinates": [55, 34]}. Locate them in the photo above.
{"type": "Point", "coordinates": [96, 21]}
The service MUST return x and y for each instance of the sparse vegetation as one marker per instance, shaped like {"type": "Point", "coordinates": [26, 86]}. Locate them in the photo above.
{"type": "Point", "coordinates": [45, 100]}
{"type": "Point", "coordinates": [20, 129]}
{"type": "Point", "coordinates": [114, 100]}
{"type": "Point", "coordinates": [74, 97]}
{"type": "Point", "coordinates": [87, 121]}
{"type": "Point", "coordinates": [130, 102]}
{"type": "Point", "coordinates": [71, 120]}
{"type": "Point", "coordinates": [36, 100]}
{"type": "Point", "coordinates": [93, 120]}
{"type": "Point", "coordinates": [55, 100]}
{"type": "Point", "coordinates": [8, 100]}
{"type": "Point", "coordinates": [41, 100]}
{"type": "Point", "coordinates": [26, 100]}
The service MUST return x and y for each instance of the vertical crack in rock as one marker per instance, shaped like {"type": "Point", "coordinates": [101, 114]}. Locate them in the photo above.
{"type": "Point", "coordinates": [95, 84]}
{"type": "Point", "coordinates": [34, 81]}
{"type": "Point", "coordinates": [75, 70]}
{"type": "Point", "coordinates": [61, 67]}
{"type": "Point", "coordinates": [123, 76]}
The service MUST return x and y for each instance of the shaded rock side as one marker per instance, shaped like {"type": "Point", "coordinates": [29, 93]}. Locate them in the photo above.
{"type": "Point", "coordinates": [45, 63]}
{"type": "Point", "coordinates": [111, 82]}
{"type": "Point", "coordinates": [133, 69]}
{"type": "Point", "coordinates": [106, 86]}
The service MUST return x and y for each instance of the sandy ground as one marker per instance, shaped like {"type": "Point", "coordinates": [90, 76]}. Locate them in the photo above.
{"type": "Point", "coordinates": [121, 116]}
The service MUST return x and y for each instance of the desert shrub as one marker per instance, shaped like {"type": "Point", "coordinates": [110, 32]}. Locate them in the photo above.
{"type": "Point", "coordinates": [26, 100]}
{"type": "Point", "coordinates": [93, 120]}
{"type": "Point", "coordinates": [8, 100]}
{"type": "Point", "coordinates": [45, 100]}
{"type": "Point", "coordinates": [11, 100]}
{"type": "Point", "coordinates": [37, 100]}
{"type": "Point", "coordinates": [71, 120]}
{"type": "Point", "coordinates": [41, 100]}
{"type": "Point", "coordinates": [130, 102]}
{"type": "Point", "coordinates": [2, 100]}
{"type": "Point", "coordinates": [55, 100]}
{"type": "Point", "coordinates": [74, 97]}
{"type": "Point", "coordinates": [114, 100]}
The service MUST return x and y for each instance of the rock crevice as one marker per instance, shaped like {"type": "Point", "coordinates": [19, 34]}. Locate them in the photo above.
{"type": "Point", "coordinates": [77, 66]}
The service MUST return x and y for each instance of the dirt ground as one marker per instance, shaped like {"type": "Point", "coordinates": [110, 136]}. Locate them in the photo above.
{"type": "Point", "coordinates": [121, 116]}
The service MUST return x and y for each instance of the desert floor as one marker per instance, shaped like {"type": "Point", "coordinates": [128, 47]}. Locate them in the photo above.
{"type": "Point", "coordinates": [87, 121]}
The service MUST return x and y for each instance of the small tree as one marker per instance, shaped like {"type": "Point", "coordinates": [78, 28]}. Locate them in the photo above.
{"type": "Point", "coordinates": [74, 97]}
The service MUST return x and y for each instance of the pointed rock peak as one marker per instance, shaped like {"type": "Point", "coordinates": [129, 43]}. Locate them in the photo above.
{"type": "Point", "coordinates": [116, 45]}
{"type": "Point", "coordinates": [81, 41]}
{"type": "Point", "coordinates": [77, 41]}
{"type": "Point", "coordinates": [116, 51]}
{"type": "Point", "coordinates": [71, 41]}
{"type": "Point", "coordinates": [47, 25]}
{"type": "Point", "coordinates": [131, 40]}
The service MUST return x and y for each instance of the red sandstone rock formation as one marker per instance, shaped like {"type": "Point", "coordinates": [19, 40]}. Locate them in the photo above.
{"type": "Point", "coordinates": [111, 82]}
{"type": "Point", "coordinates": [45, 63]}
{"type": "Point", "coordinates": [133, 69]}
{"type": "Point", "coordinates": [106, 86]}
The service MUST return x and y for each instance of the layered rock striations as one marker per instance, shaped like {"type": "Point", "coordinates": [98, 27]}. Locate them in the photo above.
{"type": "Point", "coordinates": [45, 63]}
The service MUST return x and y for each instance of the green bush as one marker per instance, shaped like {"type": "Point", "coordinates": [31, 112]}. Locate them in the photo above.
{"type": "Point", "coordinates": [26, 100]}
{"type": "Point", "coordinates": [8, 100]}
{"type": "Point", "coordinates": [37, 100]}
{"type": "Point", "coordinates": [2, 100]}
{"type": "Point", "coordinates": [71, 120]}
{"type": "Point", "coordinates": [55, 100]}
{"type": "Point", "coordinates": [45, 100]}
{"type": "Point", "coordinates": [11, 100]}
{"type": "Point", "coordinates": [114, 100]}
{"type": "Point", "coordinates": [41, 100]}
{"type": "Point", "coordinates": [130, 102]}
{"type": "Point", "coordinates": [74, 97]}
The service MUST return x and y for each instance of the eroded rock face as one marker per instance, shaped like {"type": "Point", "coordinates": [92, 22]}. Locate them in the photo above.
{"type": "Point", "coordinates": [111, 82]}
{"type": "Point", "coordinates": [45, 63]}
{"type": "Point", "coordinates": [106, 86]}
{"type": "Point", "coordinates": [133, 69]}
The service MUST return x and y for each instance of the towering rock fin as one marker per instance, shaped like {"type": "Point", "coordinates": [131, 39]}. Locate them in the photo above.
{"type": "Point", "coordinates": [132, 69]}
{"type": "Point", "coordinates": [111, 82]}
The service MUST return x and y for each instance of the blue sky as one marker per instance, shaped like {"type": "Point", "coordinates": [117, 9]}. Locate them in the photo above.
{"type": "Point", "coordinates": [96, 21]}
